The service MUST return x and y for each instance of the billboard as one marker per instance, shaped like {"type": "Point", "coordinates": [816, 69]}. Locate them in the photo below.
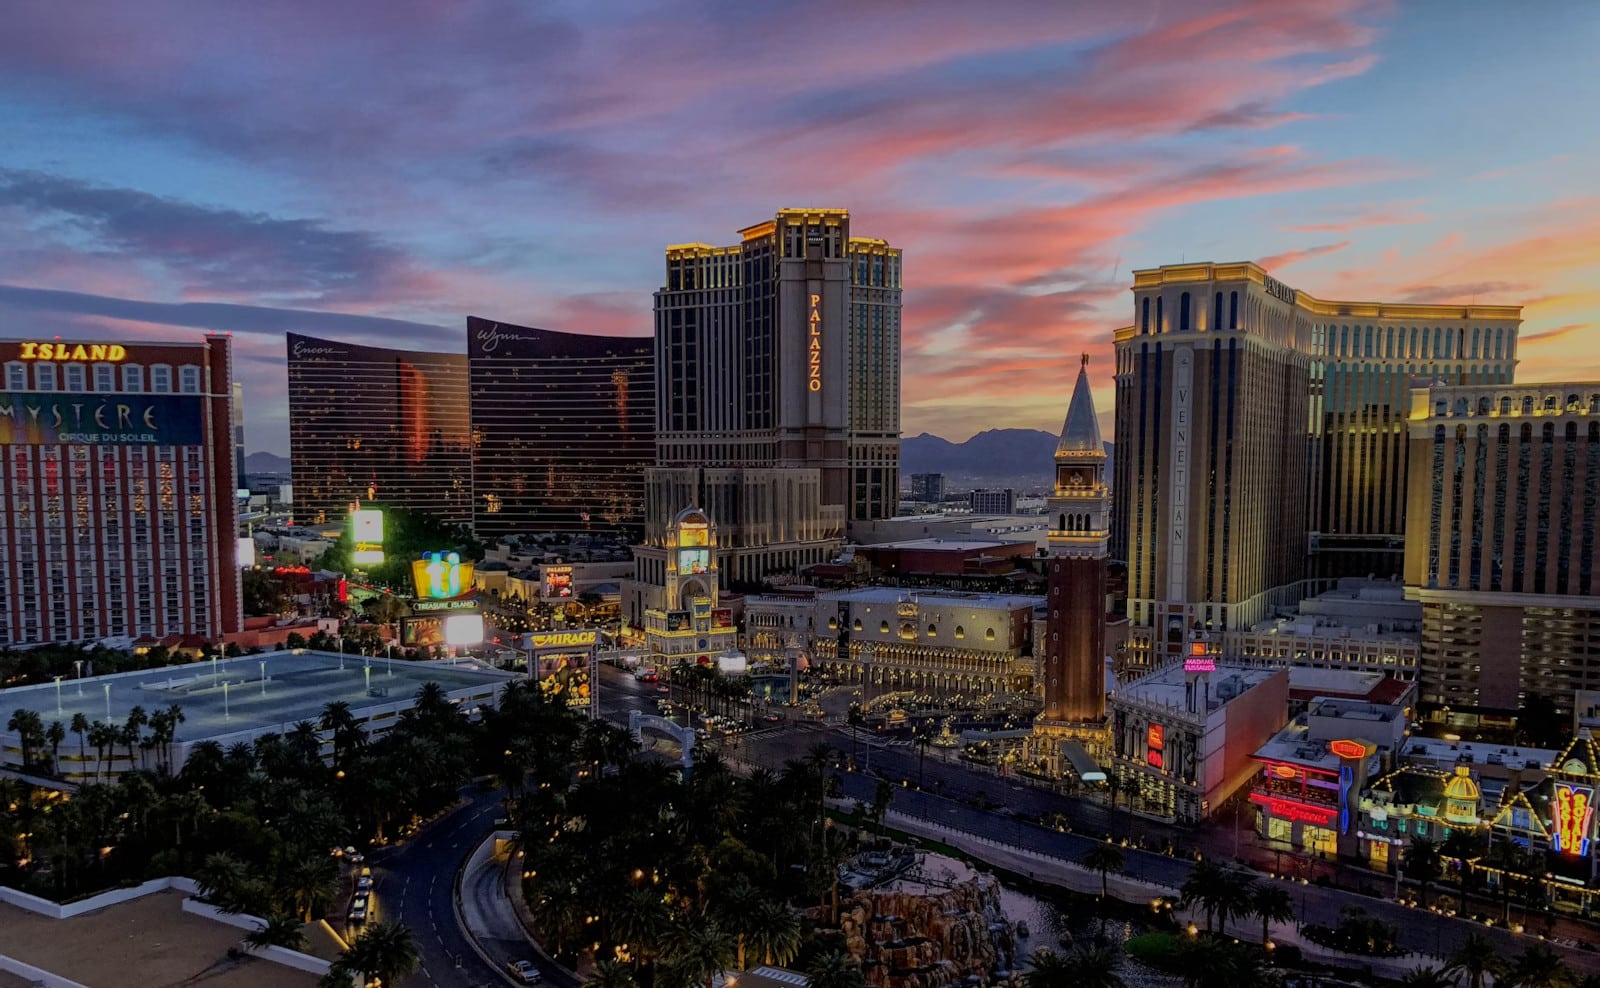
{"type": "Point", "coordinates": [366, 532]}
{"type": "Point", "coordinates": [565, 675]}
{"type": "Point", "coordinates": [422, 632]}
{"type": "Point", "coordinates": [558, 581]}
{"type": "Point", "coordinates": [441, 575]}
{"type": "Point", "coordinates": [1155, 746]}
{"type": "Point", "coordinates": [1572, 814]}
{"type": "Point", "coordinates": [463, 629]}
{"type": "Point", "coordinates": [32, 419]}
{"type": "Point", "coordinates": [694, 561]}
{"type": "Point", "coordinates": [584, 638]}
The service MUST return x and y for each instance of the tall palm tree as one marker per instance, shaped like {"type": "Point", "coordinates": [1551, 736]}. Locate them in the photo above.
{"type": "Point", "coordinates": [1198, 889]}
{"type": "Point", "coordinates": [1233, 897]}
{"type": "Point", "coordinates": [29, 729]}
{"type": "Point", "coordinates": [384, 952]}
{"type": "Point", "coordinates": [1271, 903]}
{"type": "Point", "coordinates": [1539, 967]}
{"type": "Point", "coordinates": [1104, 858]}
{"type": "Point", "coordinates": [132, 728]}
{"type": "Point", "coordinates": [610, 973]}
{"type": "Point", "coordinates": [55, 734]}
{"type": "Point", "coordinates": [1048, 969]}
{"type": "Point", "coordinates": [80, 727]}
{"type": "Point", "coordinates": [1422, 862]}
{"type": "Point", "coordinates": [735, 909]}
{"type": "Point", "coordinates": [1477, 960]}
{"type": "Point", "coordinates": [699, 949]}
{"type": "Point", "coordinates": [835, 969]}
{"type": "Point", "coordinates": [104, 737]}
{"type": "Point", "coordinates": [775, 932]}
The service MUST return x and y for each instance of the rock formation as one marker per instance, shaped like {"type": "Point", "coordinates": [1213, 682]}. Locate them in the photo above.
{"type": "Point", "coordinates": [906, 935]}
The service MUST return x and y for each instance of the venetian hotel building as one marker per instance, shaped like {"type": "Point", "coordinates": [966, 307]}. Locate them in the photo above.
{"type": "Point", "coordinates": [1261, 438]}
{"type": "Point", "coordinates": [118, 488]}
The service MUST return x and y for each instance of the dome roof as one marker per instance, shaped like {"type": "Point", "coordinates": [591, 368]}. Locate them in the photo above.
{"type": "Point", "coordinates": [691, 515]}
{"type": "Point", "coordinates": [1461, 786]}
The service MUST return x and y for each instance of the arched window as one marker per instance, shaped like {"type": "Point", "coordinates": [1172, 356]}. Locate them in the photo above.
{"type": "Point", "coordinates": [1183, 313]}
{"type": "Point", "coordinates": [988, 634]}
{"type": "Point", "coordinates": [1216, 315]}
{"type": "Point", "coordinates": [1062, 526]}
{"type": "Point", "coordinates": [1573, 404]}
{"type": "Point", "coordinates": [1144, 316]}
{"type": "Point", "coordinates": [932, 630]}
{"type": "Point", "coordinates": [857, 625]}
{"type": "Point", "coordinates": [1527, 405]}
{"type": "Point", "coordinates": [1159, 326]}
{"type": "Point", "coordinates": [960, 631]}
{"type": "Point", "coordinates": [1233, 310]}
{"type": "Point", "coordinates": [883, 627]}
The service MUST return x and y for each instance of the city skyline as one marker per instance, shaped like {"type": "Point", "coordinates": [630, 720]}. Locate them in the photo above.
{"type": "Point", "coordinates": [280, 178]}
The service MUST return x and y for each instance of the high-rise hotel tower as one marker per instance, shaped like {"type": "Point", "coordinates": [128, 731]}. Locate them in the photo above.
{"type": "Point", "coordinates": [778, 371]}
{"type": "Point", "coordinates": [1262, 443]}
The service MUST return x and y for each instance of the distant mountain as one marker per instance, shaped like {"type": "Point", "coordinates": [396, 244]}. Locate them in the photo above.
{"type": "Point", "coordinates": [1020, 458]}
{"type": "Point", "coordinates": [265, 463]}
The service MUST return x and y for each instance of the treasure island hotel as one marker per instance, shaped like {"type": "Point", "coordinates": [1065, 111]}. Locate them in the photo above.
{"type": "Point", "coordinates": [1262, 440]}
{"type": "Point", "coordinates": [778, 367]}
{"type": "Point", "coordinates": [118, 485]}
{"type": "Point", "coordinates": [530, 431]}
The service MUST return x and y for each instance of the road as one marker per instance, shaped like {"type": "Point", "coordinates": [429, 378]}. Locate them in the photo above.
{"type": "Point", "coordinates": [414, 885]}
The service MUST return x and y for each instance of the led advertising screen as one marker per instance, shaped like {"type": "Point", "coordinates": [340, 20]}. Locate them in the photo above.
{"type": "Point", "coordinates": [694, 561]}
{"type": "Point", "coordinates": [441, 575]}
{"type": "Point", "coordinates": [558, 581]}
{"type": "Point", "coordinates": [693, 534]}
{"type": "Point", "coordinates": [422, 632]}
{"type": "Point", "coordinates": [31, 419]}
{"type": "Point", "coordinates": [565, 675]}
{"type": "Point", "coordinates": [366, 532]}
{"type": "Point", "coordinates": [463, 629]}
{"type": "Point", "coordinates": [1155, 746]}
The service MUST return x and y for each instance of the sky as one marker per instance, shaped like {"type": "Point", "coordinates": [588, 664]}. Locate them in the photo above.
{"type": "Point", "coordinates": [376, 170]}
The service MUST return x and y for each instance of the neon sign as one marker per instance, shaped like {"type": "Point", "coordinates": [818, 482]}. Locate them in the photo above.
{"type": "Point", "coordinates": [73, 351]}
{"type": "Point", "coordinates": [441, 575]}
{"type": "Point", "coordinates": [814, 356]}
{"type": "Point", "coordinates": [1155, 745]}
{"type": "Point", "coordinates": [563, 639]}
{"type": "Point", "coordinates": [1285, 809]}
{"type": "Point", "coordinates": [1199, 659]}
{"type": "Point", "coordinates": [1284, 771]}
{"type": "Point", "coordinates": [1348, 749]}
{"type": "Point", "coordinates": [1574, 812]}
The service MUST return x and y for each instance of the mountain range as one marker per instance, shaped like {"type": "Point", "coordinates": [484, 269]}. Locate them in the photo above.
{"type": "Point", "coordinates": [1019, 458]}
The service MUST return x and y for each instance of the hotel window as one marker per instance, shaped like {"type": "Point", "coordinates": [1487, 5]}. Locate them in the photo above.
{"type": "Point", "coordinates": [105, 377]}
{"type": "Point", "coordinates": [1144, 316]}
{"type": "Point", "coordinates": [16, 377]}
{"type": "Point", "coordinates": [74, 375]}
{"type": "Point", "coordinates": [988, 634]}
{"type": "Point", "coordinates": [160, 378]}
{"type": "Point", "coordinates": [44, 376]}
{"type": "Point", "coordinates": [1233, 310]}
{"type": "Point", "coordinates": [189, 379]}
{"type": "Point", "coordinates": [1183, 313]}
{"type": "Point", "coordinates": [132, 377]}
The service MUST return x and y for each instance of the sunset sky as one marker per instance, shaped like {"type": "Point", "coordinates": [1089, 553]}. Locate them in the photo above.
{"type": "Point", "coordinates": [375, 170]}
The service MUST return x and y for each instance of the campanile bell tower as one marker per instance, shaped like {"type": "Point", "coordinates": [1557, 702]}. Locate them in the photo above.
{"type": "Point", "coordinates": [1073, 670]}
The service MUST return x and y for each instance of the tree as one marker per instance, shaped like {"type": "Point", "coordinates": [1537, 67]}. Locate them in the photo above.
{"type": "Point", "coordinates": [277, 931]}
{"type": "Point", "coordinates": [1271, 903]}
{"type": "Point", "coordinates": [132, 729]}
{"type": "Point", "coordinates": [775, 932]}
{"type": "Point", "coordinates": [1539, 967]}
{"type": "Point", "coordinates": [610, 973]}
{"type": "Point", "coordinates": [1427, 977]}
{"type": "Point", "coordinates": [834, 969]}
{"type": "Point", "coordinates": [384, 952]}
{"type": "Point", "coordinates": [698, 949]}
{"type": "Point", "coordinates": [263, 595]}
{"type": "Point", "coordinates": [1104, 858]}
{"type": "Point", "coordinates": [1422, 862]}
{"type": "Point", "coordinates": [55, 734]}
{"type": "Point", "coordinates": [104, 737]}
{"type": "Point", "coordinates": [1233, 897]}
{"type": "Point", "coordinates": [80, 727]}
{"type": "Point", "coordinates": [1476, 960]}
{"type": "Point", "coordinates": [28, 726]}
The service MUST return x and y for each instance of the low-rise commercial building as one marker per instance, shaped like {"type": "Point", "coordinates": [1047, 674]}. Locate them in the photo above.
{"type": "Point", "coordinates": [1183, 738]}
{"type": "Point", "coordinates": [1357, 624]}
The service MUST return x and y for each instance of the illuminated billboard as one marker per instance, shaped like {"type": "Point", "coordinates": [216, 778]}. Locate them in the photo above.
{"type": "Point", "coordinates": [558, 581]}
{"type": "Point", "coordinates": [694, 561]}
{"type": "Point", "coordinates": [584, 638]}
{"type": "Point", "coordinates": [422, 632]}
{"type": "Point", "coordinates": [31, 419]}
{"type": "Point", "coordinates": [1572, 814]}
{"type": "Point", "coordinates": [565, 676]}
{"type": "Point", "coordinates": [1155, 745]}
{"type": "Point", "coordinates": [441, 575]}
{"type": "Point", "coordinates": [366, 536]}
{"type": "Point", "coordinates": [694, 533]}
{"type": "Point", "coordinates": [1199, 659]}
{"type": "Point", "coordinates": [463, 629]}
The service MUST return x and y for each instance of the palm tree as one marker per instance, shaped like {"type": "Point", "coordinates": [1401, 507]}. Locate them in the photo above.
{"type": "Point", "coordinates": [385, 953]}
{"type": "Point", "coordinates": [309, 883]}
{"type": "Point", "coordinates": [1198, 890]}
{"type": "Point", "coordinates": [28, 726]}
{"type": "Point", "coordinates": [1422, 861]}
{"type": "Point", "coordinates": [699, 949]}
{"type": "Point", "coordinates": [834, 969]}
{"type": "Point", "coordinates": [1048, 969]}
{"type": "Point", "coordinates": [104, 737]}
{"type": "Point", "coordinates": [1083, 967]}
{"type": "Point", "coordinates": [80, 727]}
{"type": "Point", "coordinates": [1477, 959]}
{"type": "Point", "coordinates": [1271, 902]}
{"type": "Point", "coordinates": [609, 973]}
{"type": "Point", "coordinates": [1233, 897]}
{"type": "Point", "coordinates": [1539, 967]}
{"type": "Point", "coordinates": [55, 734]}
{"type": "Point", "coordinates": [341, 724]}
{"type": "Point", "coordinates": [277, 931]}
{"type": "Point", "coordinates": [775, 932]}
{"type": "Point", "coordinates": [132, 729]}
{"type": "Point", "coordinates": [1104, 858]}
{"type": "Point", "coordinates": [1427, 977]}
{"type": "Point", "coordinates": [735, 908]}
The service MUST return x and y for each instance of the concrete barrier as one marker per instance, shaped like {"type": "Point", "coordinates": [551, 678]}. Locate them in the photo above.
{"type": "Point", "coordinates": [36, 975]}
{"type": "Point", "coordinates": [67, 910]}
{"type": "Point", "coordinates": [249, 923]}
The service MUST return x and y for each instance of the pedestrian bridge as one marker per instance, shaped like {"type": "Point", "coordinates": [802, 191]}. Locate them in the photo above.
{"type": "Point", "coordinates": [638, 722]}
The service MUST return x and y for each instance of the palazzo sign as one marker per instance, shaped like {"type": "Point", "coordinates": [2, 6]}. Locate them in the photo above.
{"type": "Point", "coordinates": [814, 345]}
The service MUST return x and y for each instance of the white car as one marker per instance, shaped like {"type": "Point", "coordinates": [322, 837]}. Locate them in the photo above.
{"type": "Point", "coordinates": [364, 883]}
{"type": "Point", "coordinates": [525, 972]}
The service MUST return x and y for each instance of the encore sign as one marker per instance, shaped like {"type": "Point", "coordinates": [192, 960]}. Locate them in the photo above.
{"type": "Point", "coordinates": [814, 372]}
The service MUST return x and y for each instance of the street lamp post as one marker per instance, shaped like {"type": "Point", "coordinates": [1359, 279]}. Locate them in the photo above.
{"type": "Point", "coordinates": [108, 702]}
{"type": "Point", "coordinates": [77, 664]}
{"type": "Point", "coordinates": [390, 647]}
{"type": "Point", "coordinates": [263, 679]}
{"type": "Point", "coordinates": [58, 696]}
{"type": "Point", "coordinates": [225, 714]}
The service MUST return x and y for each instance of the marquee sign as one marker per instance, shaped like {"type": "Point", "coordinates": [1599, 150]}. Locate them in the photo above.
{"type": "Point", "coordinates": [441, 575]}
{"type": "Point", "coordinates": [1286, 809]}
{"type": "Point", "coordinates": [1572, 813]}
{"type": "Point", "coordinates": [1199, 658]}
{"type": "Point", "coordinates": [106, 352]}
{"type": "Point", "coordinates": [814, 345]}
{"type": "Point", "coordinates": [563, 639]}
{"type": "Point", "coordinates": [34, 419]}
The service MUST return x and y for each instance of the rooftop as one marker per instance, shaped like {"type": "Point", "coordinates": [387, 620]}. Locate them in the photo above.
{"type": "Point", "coordinates": [893, 595]}
{"type": "Point", "coordinates": [1297, 744]}
{"type": "Point", "coordinates": [947, 545]}
{"type": "Point", "coordinates": [1167, 687]}
{"type": "Point", "coordinates": [1372, 687]}
{"type": "Point", "coordinates": [228, 696]}
{"type": "Point", "coordinates": [1444, 750]}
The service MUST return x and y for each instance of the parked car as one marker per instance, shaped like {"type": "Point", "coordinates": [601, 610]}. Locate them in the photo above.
{"type": "Point", "coordinates": [524, 971]}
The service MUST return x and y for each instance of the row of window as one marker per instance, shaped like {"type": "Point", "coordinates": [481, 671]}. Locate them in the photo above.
{"type": "Point", "coordinates": [1549, 405]}
{"type": "Point", "coordinates": [76, 377]}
